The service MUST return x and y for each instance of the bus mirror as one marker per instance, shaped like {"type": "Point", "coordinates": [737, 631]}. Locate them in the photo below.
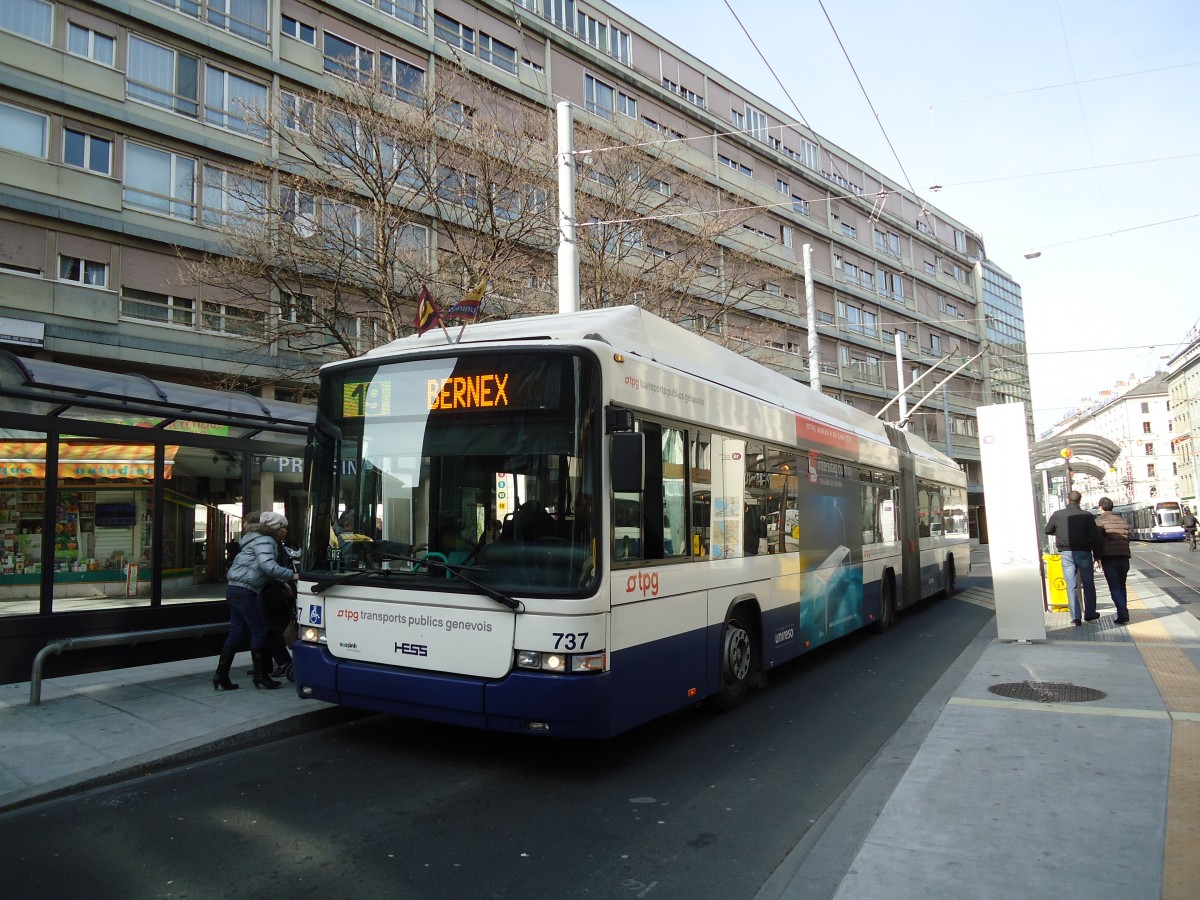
{"type": "Point", "coordinates": [628, 462]}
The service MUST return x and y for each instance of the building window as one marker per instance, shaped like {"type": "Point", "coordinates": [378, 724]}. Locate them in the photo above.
{"type": "Point", "coordinates": [1149, 449]}
{"type": "Point", "coordinates": [786, 236]}
{"type": "Point", "coordinates": [1150, 470]}
{"type": "Point", "coordinates": [233, 320]}
{"type": "Point", "coordinates": [756, 124]}
{"type": "Point", "coordinates": [810, 155]}
{"type": "Point", "coordinates": [297, 113]}
{"type": "Point", "coordinates": [604, 100]}
{"type": "Point", "coordinates": [960, 241]}
{"type": "Point", "coordinates": [849, 230]}
{"type": "Point", "coordinates": [1145, 408]}
{"type": "Point", "coordinates": [294, 28]}
{"type": "Point", "coordinates": [230, 196]}
{"type": "Point", "coordinates": [23, 131]}
{"type": "Point", "coordinates": [782, 186]}
{"type": "Point", "coordinates": [346, 59]}
{"type": "Point", "coordinates": [935, 344]}
{"type": "Point", "coordinates": [32, 19]}
{"type": "Point", "coordinates": [91, 45]}
{"type": "Point", "coordinates": [159, 308]}
{"type": "Point", "coordinates": [454, 33]}
{"type": "Point", "coordinates": [83, 271]}
{"type": "Point", "coordinates": [410, 11]}
{"type": "Point", "coordinates": [402, 80]}
{"type": "Point", "coordinates": [1145, 428]}
{"type": "Point", "coordinates": [887, 242]}
{"type": "Point", "coordinates": [86, 151]}
{"type": "Point", "coordinates": [158, 181]}
{"type": "Point", "coordinates": [799, 205]}
{"type": "Point", "coordinates": [233, 102]}
{"type": "Point", "coordinates": [736, 166]}
{"type": "Point", "coordinates": [163, 76]}
{"type": "Point", "coordinates": [245, 18]}
{"type": "Point", "coordinates": [497, 53]}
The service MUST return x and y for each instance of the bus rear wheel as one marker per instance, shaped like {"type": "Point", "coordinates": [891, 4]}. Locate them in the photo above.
{"type": "Point", "coordinates": [951, 577]}
{"type": "Point", "coordinates": [738, 661]}
{"type": "Point", "coordinates": [887, 606]}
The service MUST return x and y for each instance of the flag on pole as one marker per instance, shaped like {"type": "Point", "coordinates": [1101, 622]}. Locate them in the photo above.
{"type": "Point", "coordinates": [468, 307]}
{"type": "Point", "coordinates": [427, 312]}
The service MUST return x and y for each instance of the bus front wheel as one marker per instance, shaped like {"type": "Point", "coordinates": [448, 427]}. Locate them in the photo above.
{"type": "Point", "coordinates": [737, 663]}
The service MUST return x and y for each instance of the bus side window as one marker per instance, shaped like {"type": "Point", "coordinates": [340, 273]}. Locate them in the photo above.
{"type": "Point", "coordinates": [674, 482]}
{"type": "Point", "coordinates": [700, 479]}
{"type": "Point", "coordinates": [869, 509]}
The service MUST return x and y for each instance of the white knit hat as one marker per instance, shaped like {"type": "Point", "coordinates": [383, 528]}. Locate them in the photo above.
{"type": "Point", "coordinates": [272, 521]}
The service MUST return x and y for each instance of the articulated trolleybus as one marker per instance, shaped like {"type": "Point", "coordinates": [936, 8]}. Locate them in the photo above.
{"type": "Point", "coordinates": [570, 525]}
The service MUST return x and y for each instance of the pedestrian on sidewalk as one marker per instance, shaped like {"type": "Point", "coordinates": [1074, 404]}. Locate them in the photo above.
{"type": "Point", "coordinates": [253, 567]}
{"type": "Point", "coordinates": [1114, 556]}
{"type": "Point", "coordinates": [1077, 539]}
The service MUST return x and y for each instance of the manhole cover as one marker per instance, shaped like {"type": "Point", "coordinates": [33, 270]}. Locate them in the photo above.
{"type": "Point", "coordinates": [1047, 692]}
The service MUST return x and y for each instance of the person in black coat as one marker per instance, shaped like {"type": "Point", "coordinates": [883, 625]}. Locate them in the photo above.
{"type": "Point", "coordinates": [1077, 540]}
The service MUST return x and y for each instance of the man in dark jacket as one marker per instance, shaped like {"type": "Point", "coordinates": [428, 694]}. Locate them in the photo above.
{"type": "Point", "coordinates": [1077, 539]}
{"type": "Point", "coordinates": [1114, 555]}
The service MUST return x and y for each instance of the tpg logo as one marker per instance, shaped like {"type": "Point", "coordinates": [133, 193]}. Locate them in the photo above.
{"type": "Point", "coordinates": [348, 614]}
{"type": "Point", "coordinates": [640, 581]}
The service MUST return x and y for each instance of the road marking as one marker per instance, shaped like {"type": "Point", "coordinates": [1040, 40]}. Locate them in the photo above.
{"type": "Point", "coordinates": [1178, 681]}
{"type": "Point", "coordinates": [978, 596]}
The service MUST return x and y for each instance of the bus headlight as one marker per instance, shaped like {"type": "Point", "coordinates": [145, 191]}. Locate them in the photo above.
{"type": "Point", "coordinates": [312, 635]}
{"type": "Point", "coordinates": [578, 663]}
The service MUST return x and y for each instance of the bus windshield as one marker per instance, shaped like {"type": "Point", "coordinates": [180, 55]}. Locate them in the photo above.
{"type": "Point", "coordinates": [472, 462]}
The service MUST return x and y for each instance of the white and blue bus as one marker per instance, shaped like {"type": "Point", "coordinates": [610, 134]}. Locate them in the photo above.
{"type": "Point", "coordinates": [570, 525]}
{"type": "Point", "coordinates": [1154, 520]}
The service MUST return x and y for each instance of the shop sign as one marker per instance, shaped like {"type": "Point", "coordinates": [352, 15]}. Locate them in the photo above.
{"type": "Point", "coordinates": [21, 331]}
{"type": "Point", "coordinates": [27, 459]}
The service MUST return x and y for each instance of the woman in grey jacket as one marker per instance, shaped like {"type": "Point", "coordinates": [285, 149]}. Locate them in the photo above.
{"type": "Point", "coordinates": [253, 567]}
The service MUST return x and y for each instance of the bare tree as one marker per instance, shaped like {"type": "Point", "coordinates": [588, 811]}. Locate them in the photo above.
{"type": "Point", "coordinates": [656, 232]}
{"type": "Point", "coordinates": [369, 192]}
{"type": "Point", "coordinates": [384, 184]}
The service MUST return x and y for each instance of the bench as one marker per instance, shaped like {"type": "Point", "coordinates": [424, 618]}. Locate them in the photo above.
{"type": "Point", "coordinates": [130, 638]}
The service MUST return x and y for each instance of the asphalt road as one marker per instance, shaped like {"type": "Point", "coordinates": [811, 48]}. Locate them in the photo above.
{"type": "Point", "coordinates": [1174, 568]}
{"type": "Point", "coordinates": [697, 805]}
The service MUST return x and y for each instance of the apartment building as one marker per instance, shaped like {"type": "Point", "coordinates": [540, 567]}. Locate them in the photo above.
{"type": "Point", "coordinates": [127, 130]}
{"type": "Point", "coordinates": [1183, 391]}
{"type": "Point", "coordinates": [1137, 418]}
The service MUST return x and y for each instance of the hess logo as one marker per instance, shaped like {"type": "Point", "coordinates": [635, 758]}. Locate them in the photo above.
{"type": "Point", "coordinates": [647, 584]}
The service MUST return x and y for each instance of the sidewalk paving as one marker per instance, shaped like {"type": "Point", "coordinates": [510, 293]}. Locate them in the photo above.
{"type": "Point", "coordinates": [978, 795]}
{"type": "Point", "coordinates": [983, 796]}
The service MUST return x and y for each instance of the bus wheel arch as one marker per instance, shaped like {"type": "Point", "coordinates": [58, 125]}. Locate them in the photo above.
{"type": "Point", "coordinates": [739, 655]}
{"type": "Point", "coordinates": [887, 602]}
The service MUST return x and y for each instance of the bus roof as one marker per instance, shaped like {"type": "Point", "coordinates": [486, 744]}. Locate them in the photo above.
{"type": "Point", "coordinates": [635, 332]}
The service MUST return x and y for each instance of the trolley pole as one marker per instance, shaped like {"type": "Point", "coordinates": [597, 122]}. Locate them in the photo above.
{"type": "Point", "coordinates": [568, 250]}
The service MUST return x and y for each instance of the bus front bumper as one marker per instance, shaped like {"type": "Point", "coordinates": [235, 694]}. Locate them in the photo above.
{"type": "Point", "coordinates": [574, 706]}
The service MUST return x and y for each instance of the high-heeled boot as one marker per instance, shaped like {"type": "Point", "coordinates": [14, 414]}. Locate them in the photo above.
{"type": "Point", "coordinates": [262, 670]}
{"type": "Point", "coordinates": [221, 676]}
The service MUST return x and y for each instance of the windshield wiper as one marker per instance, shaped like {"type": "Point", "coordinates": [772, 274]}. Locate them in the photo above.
{"type": "Point", "coordinates": [431, 564]}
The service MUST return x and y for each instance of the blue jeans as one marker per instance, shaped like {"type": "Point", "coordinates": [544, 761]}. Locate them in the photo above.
{"type": "Point", "coordinates": [245, 614]}
{"type": "Point", "coordinates": [1115, 570]}
{"type": "Point", "coordinates": [1078, 569]}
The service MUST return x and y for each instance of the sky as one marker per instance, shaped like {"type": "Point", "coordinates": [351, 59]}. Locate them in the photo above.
{"type": "Point", "coordinates": [1066, 126]}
